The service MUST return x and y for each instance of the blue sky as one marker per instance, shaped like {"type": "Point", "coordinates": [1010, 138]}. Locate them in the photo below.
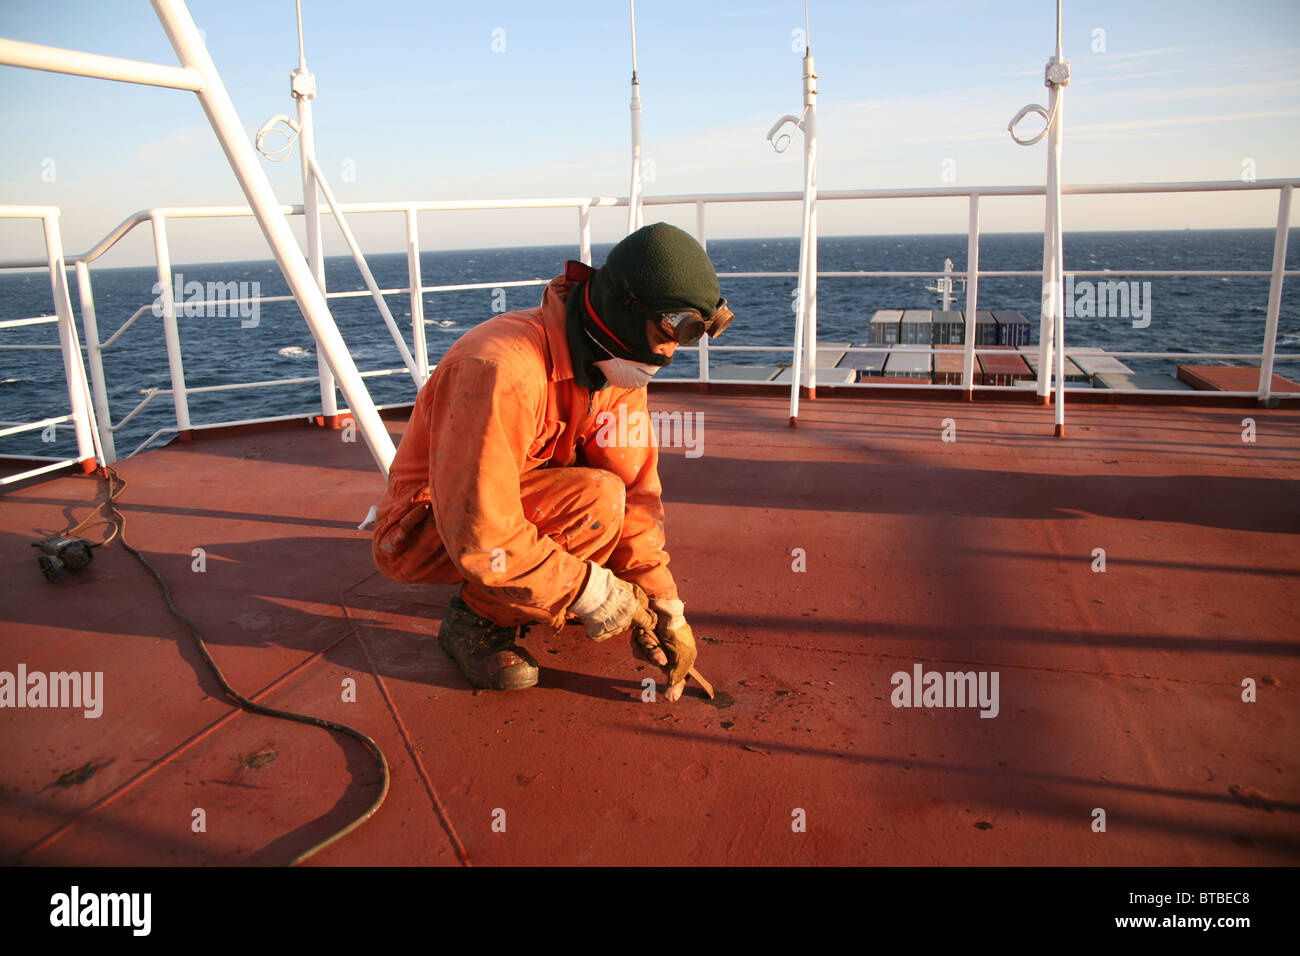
{"type": "Point", "coordinates": [414, 103]}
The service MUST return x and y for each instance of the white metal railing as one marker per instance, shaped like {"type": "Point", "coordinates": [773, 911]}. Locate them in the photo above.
{"type": "Point", "coordinates": [179, 391]}
{"type": "Point", "coordinates": [81, 416]}
{"type": "Point", "coordinates": [1268, 354]}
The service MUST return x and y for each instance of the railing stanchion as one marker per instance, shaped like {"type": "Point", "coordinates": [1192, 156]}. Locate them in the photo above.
{"type": "Point", "coordinates": [77, 392]}
{"type": "Point", "coordinates": [700, 237]}
{"type": "Point", "coordinates": [1058, 337]}
{"type": "Point", "coordinates": [417, 296]}
{"type": "Point", "coordinates": [95, 359]}
{"type": "Point", "coordinates": [806, 299]}
{"type": "Point", "coordinates": [1275, 294]}
{"type": "Point", "coordinates": [171, 333]}
{"type": "Point", "coordinates": [303, 87]}
{"type": "Point", "coordinates": [972, 297]}
{"type": "Point", "coordinates": [584, 233]}
{"type": "Point", "coordinates": [810, 157]}
{"type": "Point", "coordinates": [1047, 304]}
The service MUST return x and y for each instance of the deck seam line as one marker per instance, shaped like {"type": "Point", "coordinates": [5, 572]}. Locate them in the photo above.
{"type": "Point", "coordinates": [432, 791]}
{"type": "Point", "coordinates": [170, 756]}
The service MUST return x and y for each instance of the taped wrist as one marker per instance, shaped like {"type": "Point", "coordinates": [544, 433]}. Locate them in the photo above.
{"type": "Point", "coordinates": [600, 582]}
{"type": "Point", "coordinates": [671, 612]}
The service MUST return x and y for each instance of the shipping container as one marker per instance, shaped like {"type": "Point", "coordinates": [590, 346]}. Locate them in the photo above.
{"type": "Point", "coordinates": [986, 328]}
{"type": "Point", "coordinates": [743, 373]}
{"type": "Point", "coordinates": [916, 327]}
{"type": "Point", "coordinates": [908, 361]}
{"type": "Point", "coordinates": [865, 363]}
{"type": "Point", "coordinates": [949, 328]}
{"type": "Point", "coordinates": [830, 353]}
{"type": "Point", "coordinates": [1094, 361]}
{"type": "Point", "coordinates": [1013, 327]}
{"type": "Point", "coordinates": [1002, 367]}
{"type": "Point", "coordinates": [825, 376]}
{"type": "Point", "coordinates": [1139, 382]}
{"type": "Point", "coordinates": [883, 329]}
{"type": "Point", "coordinates": [948, 364]}
{"type": "Point", "coordinates": [1231, 378]}
{"type": "Point", "coordinates": [1073, 374]}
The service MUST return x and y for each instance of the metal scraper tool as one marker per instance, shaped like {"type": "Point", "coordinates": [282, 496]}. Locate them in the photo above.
{"type": "Point", "coordinates": [708, 688]}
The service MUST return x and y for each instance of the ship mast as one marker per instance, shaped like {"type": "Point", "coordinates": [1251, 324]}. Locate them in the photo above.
{"type": "Point", "coordinates": [634, 213]}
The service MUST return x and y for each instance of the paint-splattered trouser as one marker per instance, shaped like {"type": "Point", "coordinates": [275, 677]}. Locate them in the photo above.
{"type": "Point", "coordinates": [580, 509]}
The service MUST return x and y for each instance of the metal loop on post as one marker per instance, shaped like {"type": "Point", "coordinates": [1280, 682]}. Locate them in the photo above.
{"type": "Point", "coordinates": [1048, 119]}
{"type": "Point", "coordinates": [782, 142]}
{"type": "Point", "coordinates": [280, 153]}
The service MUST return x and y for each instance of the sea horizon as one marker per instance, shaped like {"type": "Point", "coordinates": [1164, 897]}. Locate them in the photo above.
{"type": "Point", "coordinates": [1066, 234]}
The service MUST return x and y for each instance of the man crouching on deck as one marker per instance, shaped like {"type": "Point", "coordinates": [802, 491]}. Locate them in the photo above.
{"type": "Point", "coordinates": [500, 481]}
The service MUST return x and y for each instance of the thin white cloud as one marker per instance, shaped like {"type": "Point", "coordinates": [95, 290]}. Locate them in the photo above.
{"type": "Point", "coordinates": [1119, 60]}
{"type": "Point", "coordinates": [939, 6]}
{"type": "Point", "coordinates": [1121, 77]}
{"type": "Point", "coordinates": [1180, 121]}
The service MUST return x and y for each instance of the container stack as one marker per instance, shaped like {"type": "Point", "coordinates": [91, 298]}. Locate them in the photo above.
{"type": "Point", "coordinates": [1004, 357]}
{"type": "Point", "coordinates": [949, 328]}
{"type": "Point", "coordinates": [1002, 367]}
{"type": "Point", "coordinates": [883, 329]}
{"type": "Point", "coordinates": [948, 361]}
{"type": "Point", "coordinates": [1013, 327]}
{"type": "Point", "coordinates": [917, 327]}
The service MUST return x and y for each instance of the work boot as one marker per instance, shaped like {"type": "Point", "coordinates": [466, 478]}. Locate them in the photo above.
{"type": "Point", "coordinates": [485, 652]}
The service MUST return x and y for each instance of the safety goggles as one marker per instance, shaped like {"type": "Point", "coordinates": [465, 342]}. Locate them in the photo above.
{"type": "Point", "coordinates": [687, 326]}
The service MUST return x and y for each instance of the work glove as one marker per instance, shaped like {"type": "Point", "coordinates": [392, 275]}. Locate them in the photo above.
{"type": "Point", "coordinates": [674, 637]}
{"type": "Point", "coordinates": [608, 606]}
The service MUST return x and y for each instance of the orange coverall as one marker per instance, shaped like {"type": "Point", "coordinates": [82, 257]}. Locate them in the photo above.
{"type": "Point", "coordinates": [489, 487]}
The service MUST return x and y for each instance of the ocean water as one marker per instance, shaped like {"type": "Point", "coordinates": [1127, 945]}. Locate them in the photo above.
{"type": "Point", "coordinates": [1186, 315]}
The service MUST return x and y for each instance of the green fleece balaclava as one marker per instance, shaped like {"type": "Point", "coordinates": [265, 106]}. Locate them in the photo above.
{"type": "Point", "coordinates": [662, 268]}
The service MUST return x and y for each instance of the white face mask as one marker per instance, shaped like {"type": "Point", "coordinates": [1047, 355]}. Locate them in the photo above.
{"type": "Point", "coordinates": [624, 373]}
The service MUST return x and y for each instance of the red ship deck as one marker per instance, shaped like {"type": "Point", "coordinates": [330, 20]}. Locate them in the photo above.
{"type": "Point", "coordinates": [1119, 690]}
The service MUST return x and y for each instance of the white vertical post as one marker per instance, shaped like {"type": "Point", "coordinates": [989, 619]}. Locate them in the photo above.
{"type": "Point", "coordinates": [95, 358]}
{"type": "Point", "coordinates": [1058, 274]}
{"type": "Point", "coordinates": [704, 244]}
{"type": "Point", "coordinates": [972, 296]}
{"type": "Point", "coordinates": [417, 297]}
{"type": "Point", "coordinates": [1051, 326]}
{"type": "Point", "coordinates": [584, 233]}
{"type": "Point", "coordinates": [180, 398]}
{"type": "Point", "coordinates": [329, 407]}
{"type": "Point", "coordinates": [801, 310]}
{"type": "Point", "coordinates": [810, 159]}
{"type": "Point", "coordinates": [68, 340]}
{"type": "Point", "coordinates": [1050, 292]}
{"type": "Point", "coordinates": [805, 313]}
{"type": "Point", "coordinates": [634, 214]}
{"type": "Point", "coordinates": [1275, 293]}
{"type": "Point", "coordinates": [214, 99]}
